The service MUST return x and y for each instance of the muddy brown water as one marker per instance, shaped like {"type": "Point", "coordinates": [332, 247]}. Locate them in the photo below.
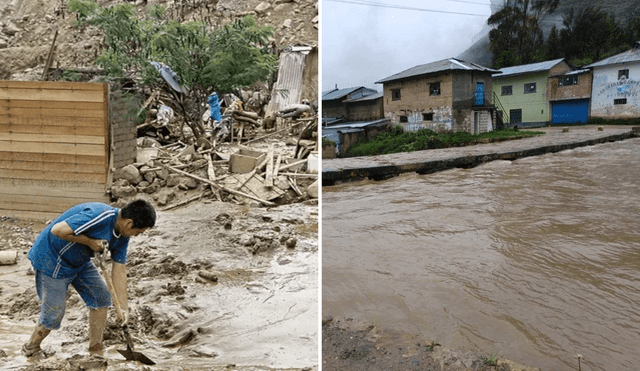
{"type": "Point", "coordinates": [537, 259]}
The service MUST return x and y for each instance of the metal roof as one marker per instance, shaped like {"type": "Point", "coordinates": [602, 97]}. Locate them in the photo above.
{"type": "Point", "coordinates": [439, 66]}
{"type": "Point", "coordinates": [366, 98]}
{"type": "Point", "coordinates": [341, 93]}
{"type": "Point", "coordinates": [354, 124]}
{"type": "Point", "coordinates": [577, 72]}
{"type": "Point", "coordinates": [632, 55]}
{"type": "Point", "coordinates": [528, 68]}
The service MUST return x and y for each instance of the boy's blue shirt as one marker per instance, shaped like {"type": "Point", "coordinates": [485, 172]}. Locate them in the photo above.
{"type": "Point", "coordinates": [58, 258]}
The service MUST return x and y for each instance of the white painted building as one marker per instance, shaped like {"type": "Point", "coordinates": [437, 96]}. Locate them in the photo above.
{"type": "Point", "coordinates": [616, 86]}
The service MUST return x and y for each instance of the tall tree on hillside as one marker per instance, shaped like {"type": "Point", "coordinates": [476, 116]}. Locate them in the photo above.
{"type": "Point", "coordinates": [516, 37]}
{"type": "Point", "coordinates": [590, 34]}
{"type": "Point", "coordinates": [554, 44]}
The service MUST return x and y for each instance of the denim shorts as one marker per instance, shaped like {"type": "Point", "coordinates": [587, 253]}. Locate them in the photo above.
{"type": "Point", "coordinates": [53, 293]}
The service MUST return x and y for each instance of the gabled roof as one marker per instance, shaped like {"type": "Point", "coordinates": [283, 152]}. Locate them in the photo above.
{"type": "Point", "coordinates": [439, 66]}
{"type": "Point", "coordinates": [632, 55]}
{"type": "Point", "coordinates": [528, 68]}
{"type": "Point", "coordinates": [340, 93]}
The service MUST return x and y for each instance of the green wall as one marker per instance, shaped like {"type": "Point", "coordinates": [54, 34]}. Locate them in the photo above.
{"type": "Point", "coordinates": [534, 106]}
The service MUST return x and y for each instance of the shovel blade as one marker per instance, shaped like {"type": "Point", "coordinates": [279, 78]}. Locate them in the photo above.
{"type": "Point", "coordinates": [130, 355]}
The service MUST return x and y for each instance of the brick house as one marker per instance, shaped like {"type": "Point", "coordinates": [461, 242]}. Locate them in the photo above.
{"type": "Point", "coordinates": [333, 101]}
{"type": "Point", "coordinates": [569, 95]}
{"type": "Point", "coordinates": [446, 96]}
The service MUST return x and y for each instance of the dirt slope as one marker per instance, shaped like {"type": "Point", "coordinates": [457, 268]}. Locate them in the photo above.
{"type": "Point", "coordinates": [27, 29]}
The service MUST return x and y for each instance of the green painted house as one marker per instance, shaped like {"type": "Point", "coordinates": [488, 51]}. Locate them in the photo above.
{"type": "Point", "coordinates": [521, 91]}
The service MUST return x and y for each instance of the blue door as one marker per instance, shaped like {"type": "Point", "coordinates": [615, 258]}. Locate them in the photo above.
{"type": "Point", "coordinates": [570, 111]}
{"type": "Point", "coordinates": [480, 94]}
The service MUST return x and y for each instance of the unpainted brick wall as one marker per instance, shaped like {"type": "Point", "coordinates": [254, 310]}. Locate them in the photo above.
{"type": "Point", "coordinates": [123, 108]}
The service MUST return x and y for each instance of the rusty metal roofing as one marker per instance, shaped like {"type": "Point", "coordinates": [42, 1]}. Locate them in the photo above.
{"type": "Point", "coordinates": [435, 67]}
{"type": "Point", "coordinates": [632, 55]}
{"type": "Point", "coordinates": [528, 68]}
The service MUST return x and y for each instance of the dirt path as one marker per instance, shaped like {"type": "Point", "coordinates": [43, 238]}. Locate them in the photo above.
{"type": "Point", "coordinates": [261, 314]}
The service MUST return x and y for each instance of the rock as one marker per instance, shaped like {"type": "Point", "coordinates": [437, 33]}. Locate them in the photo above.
{"type": "Point", "coordinates": [291, 242]}
{"type": "Point", "coordinates": [150, 176]}
{"type": "Point", "coordinates": [153, 187]}
{"type": "Point", "coordinates": [262, 7]}
{"type": "Point", "coordinates": [164, 196]}
{"type": "Point", "coordinates": [190, 182]}
{"type": "Point", "coordinates": [122, 189]}
{"type": "Point", "coordinates": [287, 23]}
{"type": "Point", "coordinates": [11, 29]}
{"type": "Point", "coordinates": [3, 44]}
{"type": "Point", "coordinates": [173, 180]}
{"type": "Point", "coordinates": [131, 174]}
{"type": "Point", "coordinates": [565, 130]}
{"type": "Point", "coordinates": [312, 190]}
{"type": "Point", "coordinates": [600, 128]}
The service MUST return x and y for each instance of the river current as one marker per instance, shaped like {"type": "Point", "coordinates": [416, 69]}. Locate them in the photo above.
{"type": "Point", "coordinates": [537, 259]}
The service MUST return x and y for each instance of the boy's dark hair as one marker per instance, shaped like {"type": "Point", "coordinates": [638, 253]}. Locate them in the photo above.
{"type": "Point", "coordinates": [141, 212]}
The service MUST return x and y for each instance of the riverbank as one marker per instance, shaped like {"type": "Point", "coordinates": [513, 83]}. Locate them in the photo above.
{"type": "Point", "coordinates": [556, 139]}
{"type": "Point", "coordinates": [349, 345]}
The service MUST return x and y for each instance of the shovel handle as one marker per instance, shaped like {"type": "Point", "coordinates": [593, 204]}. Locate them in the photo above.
{"type": "Point", "coordinates": [109, 281]}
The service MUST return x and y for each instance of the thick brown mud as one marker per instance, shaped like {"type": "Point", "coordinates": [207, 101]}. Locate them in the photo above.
{"type": "Point", "coordinates": [212, 286]}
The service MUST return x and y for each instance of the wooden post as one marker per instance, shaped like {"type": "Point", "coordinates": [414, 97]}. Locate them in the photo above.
{"type": "Point", "coordinates": [45, 72]}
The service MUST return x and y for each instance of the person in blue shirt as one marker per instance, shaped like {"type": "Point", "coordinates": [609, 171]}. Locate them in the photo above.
{"type": "Point", "coordinates": [61, 256]}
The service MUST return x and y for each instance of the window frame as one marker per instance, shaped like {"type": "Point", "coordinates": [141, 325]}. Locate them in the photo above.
{"type": "Point", "coordinates": [503, 91]}
{"type": "Point", "coordinates": [623, 72]}
{"type": "Point", "coordinates": [434, 89]}
{"type": "Point", "coordinates": [396, 94]}
{"type": "Point", "coordinates": [619, 101]}
{"type": "Point", "coordinates": [568, 80]}
{"type": "Point", "coordinates": [404, 118]}
{"type": "Point", "coordinates": [529, 91]}
{"type": "Point", "coordinates": [426, 115]}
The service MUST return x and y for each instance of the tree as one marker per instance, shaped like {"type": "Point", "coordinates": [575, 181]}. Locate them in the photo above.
{"type": "Point", "coordinates": [554, 44]}
{"type": "Point", "coordinates": [516, 37]}
{"type": "Point", "coordinates": [589, 34]}
{"type": "Point", "coordinates": [204, 59]}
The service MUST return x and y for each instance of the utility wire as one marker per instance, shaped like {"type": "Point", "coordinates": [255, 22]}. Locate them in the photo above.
{"type": "Point", "coordinates": [370, 3]}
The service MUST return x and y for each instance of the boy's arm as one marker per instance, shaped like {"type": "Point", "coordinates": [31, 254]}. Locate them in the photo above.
{"type": "Point", "coordinates": [63, 230]}
{"type": "Point", "coordinates": [119, 277]}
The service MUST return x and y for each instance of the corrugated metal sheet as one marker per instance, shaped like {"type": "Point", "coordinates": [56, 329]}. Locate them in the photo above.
{"type": "Point", "coordinates": [341, 93]}
{"type": "Point", "coordinates": [632, 55]}
{"type": "Point", "coordinates": [367, 98]}
{"type": "Point", "coordinates": [439, 66]}
{"type": "Point", "coordinates": [288, 89]}
{"type": "Point", "coordinates": [528, 68]}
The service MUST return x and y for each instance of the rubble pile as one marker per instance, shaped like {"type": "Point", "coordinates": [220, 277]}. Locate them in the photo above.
{"type": "Point", "coordinates": [245, 157]}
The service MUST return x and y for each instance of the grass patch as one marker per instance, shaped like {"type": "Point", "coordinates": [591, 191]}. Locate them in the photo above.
{"type": "Point", "coordinates": [600, 121]}
{"type": "Point", "coordinates": [397, 140]}
{"type": "Point", "coordinates": [327, 142]}
{"type": "Point", "coordinates": [491, 359]}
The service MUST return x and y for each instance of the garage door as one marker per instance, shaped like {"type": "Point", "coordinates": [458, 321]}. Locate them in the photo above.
{"type": "Point", "coordinates": [570, 111]}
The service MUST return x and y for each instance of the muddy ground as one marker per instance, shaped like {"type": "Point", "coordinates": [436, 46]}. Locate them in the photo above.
{"type": "Point", "coordinates": [355, 346]}
{"type": "Point", "coordinates": [261, 314]}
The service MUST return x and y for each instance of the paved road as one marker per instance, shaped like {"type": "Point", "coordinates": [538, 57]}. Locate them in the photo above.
{"type": "Point", "coordinates": [429, 161]}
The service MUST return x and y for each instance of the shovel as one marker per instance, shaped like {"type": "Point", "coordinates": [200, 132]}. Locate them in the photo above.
{"type": "Point", "coordinates": [129, 354]}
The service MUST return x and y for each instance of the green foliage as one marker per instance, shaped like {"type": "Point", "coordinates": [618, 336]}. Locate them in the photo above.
{"type": "Point", "coordinates": [600, 121]}
{"type": "Point", "coordinates": [397, 140]}
{"type": "Point", "coordinates": [327, 142]}
{"type": "Point", "coordinates": [83, 8]}
{"type": "Point", "coordinates": [232, 56]}
{"type": "Point", "coordinates": [71, 76]}
{"type": "Point", "coordinates": [491, 359]}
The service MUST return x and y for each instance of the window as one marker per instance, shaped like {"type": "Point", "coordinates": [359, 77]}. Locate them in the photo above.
{"type": "Point", "coordinates": [507, 90]}
{"type": "Point", "coordinates": [434, 88]}
{"type": "Point", "coordinates": [623, 73]}
{"type": "Point", "coordinates": [568, 80]}
{"type": "Point", "coordinates": [427, 116]}
{"type": "Point", "coordinates": [404, 119]}
{"type": "Point", "coordinates": [530, 88]}
{"type": "Point", "coordinates": [395, 94]}
{"type": "Point", "coordinates": [620, 101]}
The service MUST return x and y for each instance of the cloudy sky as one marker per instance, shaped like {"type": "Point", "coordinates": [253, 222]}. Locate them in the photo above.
{"type": "Point", "coordinates": [365, 41]}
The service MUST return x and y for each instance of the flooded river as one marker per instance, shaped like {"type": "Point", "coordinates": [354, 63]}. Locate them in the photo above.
{"type": "Point", "coordinates": [537, 259]}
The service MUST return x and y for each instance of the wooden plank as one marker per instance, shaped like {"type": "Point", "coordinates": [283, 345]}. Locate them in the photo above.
{"type": "Point", "coordinates": [45, 105]}
{"type": "Point", "coordinates": [30, 215]}
{"type": "Point", "coordinates": [95, 122]}
{"type": "Point", "coordinates": [80, 149]}
{"type": "Point", "coordinates": [53, 175]}
{"type": "Point", "coordinates": [44, 166]}
{"type": "Point", "coordinates": [50, 130]}
{"type": "Point", "coordinates": [6, 84]}
{"type": "Point", "coordinates": [33, 138]}
{"type": "Point", "coordinates": [52, 158]}
{"type": "Point", "coordinates": [55, 188]}
{"type": "Point", "coordinates": [50, 112]}
{"type": "Point", "coordinates": [52, 94]}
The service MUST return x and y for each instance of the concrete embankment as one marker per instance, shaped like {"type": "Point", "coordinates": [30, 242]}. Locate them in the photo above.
{"type": "Point", "coordinates": [430, 161]}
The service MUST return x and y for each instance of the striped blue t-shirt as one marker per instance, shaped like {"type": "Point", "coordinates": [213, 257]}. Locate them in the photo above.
{"type": "Point", "coordinates": [59, 258]}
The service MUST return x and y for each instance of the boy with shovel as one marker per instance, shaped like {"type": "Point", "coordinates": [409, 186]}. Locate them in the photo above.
{"type": "Point", "coordinates": [61, 256]}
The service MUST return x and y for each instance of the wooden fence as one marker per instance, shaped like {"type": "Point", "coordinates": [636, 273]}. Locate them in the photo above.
{"type": "Point", "coordinates": [54, 150]}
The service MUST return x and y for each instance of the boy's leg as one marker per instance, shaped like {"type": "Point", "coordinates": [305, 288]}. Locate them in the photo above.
{"type": "Point", "coordinates": [53, 295]}
{"type": "Point", "coordinates": [93, 290]}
